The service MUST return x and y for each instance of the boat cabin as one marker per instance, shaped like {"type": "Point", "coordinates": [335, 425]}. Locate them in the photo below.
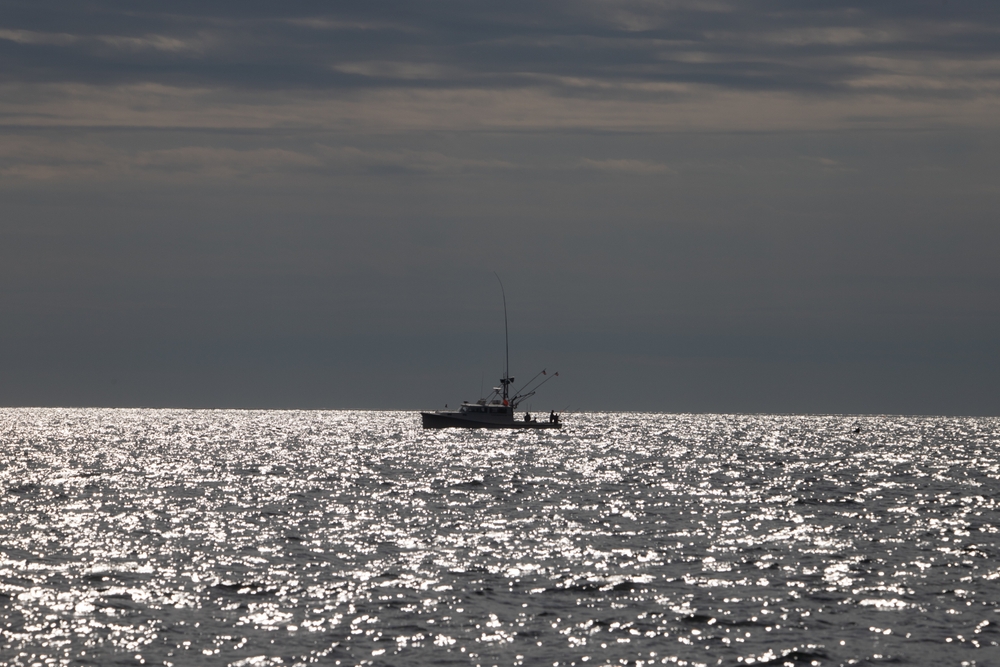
{"type": "Point", "coordinates": [482, 407]}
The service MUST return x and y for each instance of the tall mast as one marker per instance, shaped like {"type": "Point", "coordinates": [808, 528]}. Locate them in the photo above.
{"type": "Point", "coordinates": [506, 341]}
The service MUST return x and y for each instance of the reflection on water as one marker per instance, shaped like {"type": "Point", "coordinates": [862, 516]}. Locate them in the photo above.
{"type": "Point", "coordinates": [267, 538]}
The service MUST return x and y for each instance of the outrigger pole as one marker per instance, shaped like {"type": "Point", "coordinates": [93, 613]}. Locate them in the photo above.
{"type": "Point", "coordinates": [541, 372]}
{"type": "Point", "coordinates": [506, 341]}
{"type": "Point", "coordinates": [518, 395]}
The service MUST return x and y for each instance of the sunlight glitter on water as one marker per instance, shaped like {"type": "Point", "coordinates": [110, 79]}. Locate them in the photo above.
{"type": "Point", "coordinates": [258, 538]}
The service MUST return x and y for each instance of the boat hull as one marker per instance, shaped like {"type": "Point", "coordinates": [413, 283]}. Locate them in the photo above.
{"type": "Point", "coordinates": [456, 420]}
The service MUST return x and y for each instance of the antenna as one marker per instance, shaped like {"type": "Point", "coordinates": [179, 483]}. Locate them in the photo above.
{"type": "Point", "coordinates": [506, 340]}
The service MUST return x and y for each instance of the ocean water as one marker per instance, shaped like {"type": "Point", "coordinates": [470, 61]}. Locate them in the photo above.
{"type": "Point", "coordinates": [172, 537]}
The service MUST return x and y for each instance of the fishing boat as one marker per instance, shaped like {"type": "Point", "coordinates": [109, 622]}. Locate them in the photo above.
{"type": "Point", "coordinates": [498, 409]}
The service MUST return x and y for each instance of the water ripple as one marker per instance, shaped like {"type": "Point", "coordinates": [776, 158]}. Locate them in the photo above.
{"type": "Point", "coordinates": [280, 538]}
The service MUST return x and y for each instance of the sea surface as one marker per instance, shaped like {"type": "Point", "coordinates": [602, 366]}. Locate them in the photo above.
{"type": "Point", "coordinates": [178, 537]}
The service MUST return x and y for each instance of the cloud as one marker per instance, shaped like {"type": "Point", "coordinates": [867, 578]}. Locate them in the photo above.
{"type": "Point", "coordinates": [927, 76]}
{"type": "Point", "coordinates": [628, 166]}
{"type": "Point", "coordinates": [150, 42]}
{"type": "Point", "coordinates": [224, 162]}
{"type": "Point", "coordinates": [32, 37]}
{"type": "Point", "coordinates": [832, 36]}
{"type": "Point", "coordinates": [615, 47]}
{"type": "Point", "coordinates": [597, 66]}
{"type": "Point", "coordinates": [164, 43]}
{"type": "Point", "coordinates": [38, 158]}
{"type": "Point", "coordinates": [395, 70]}
{"type": "Point", "coordinates": [529, 108]}
{"type": "Point", "coordinates": [649, 15]}
{"type": "Point", "coordinates": [323, 23]}
{"type": "Point", "coordinates": [408, 160]}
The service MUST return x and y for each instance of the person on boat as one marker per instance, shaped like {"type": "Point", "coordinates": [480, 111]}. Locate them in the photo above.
{"type": "Point", "coordinates": [527, 416]}
{"type": "Point", "coordinates": [552, 417]}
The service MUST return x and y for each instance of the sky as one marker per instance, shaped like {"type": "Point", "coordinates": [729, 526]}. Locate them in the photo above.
{"type": "Point", "coordinates": [712, 206]}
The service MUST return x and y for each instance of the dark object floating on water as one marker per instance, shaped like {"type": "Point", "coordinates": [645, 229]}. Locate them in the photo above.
{"type": "Point", "coordinates": [497, 409]}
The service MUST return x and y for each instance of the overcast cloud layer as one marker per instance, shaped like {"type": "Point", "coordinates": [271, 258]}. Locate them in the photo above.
{"type": "Point", "coordinates": [695, 206]}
